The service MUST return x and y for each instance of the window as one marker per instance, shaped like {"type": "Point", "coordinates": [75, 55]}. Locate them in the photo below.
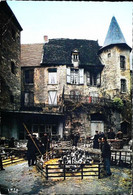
{"type": "Point", "coordinates": [44, 128]}
{"type": "Point", "coordinates": [123, 85]}
{"type": "Point", "coordinates": [12, 67]}
{"type": "Point", "coordinates": [29, 76]}
{"type": "Point", "coordinates": [11, 99]}
{"type": "Point", "coordinates": [52, 97]}
{"type": "Point", "coordinates": [75, 76]}
{"type": "Point", "coordinates": [28, 99]}
{"type": "Point", "coordinates": [75, 57]}
{"type": "Point", "coordinates": [93, 79]}
{"type": "Point", "coordinates": [122, 62]}
{"type": "Point", "coordinates": [52, 73]}
{"type": "Point", "coordinates": [75, 94]}
{"type": "Point", "coordinates": [109, 55]}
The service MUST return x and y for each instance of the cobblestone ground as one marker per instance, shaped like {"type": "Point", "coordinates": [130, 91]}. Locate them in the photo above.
{"type": "Point", "coordinates": [21, 179]}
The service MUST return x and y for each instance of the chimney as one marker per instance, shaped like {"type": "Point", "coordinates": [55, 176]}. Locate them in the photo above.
{"type": "Point", "coordinates": [46, 39]}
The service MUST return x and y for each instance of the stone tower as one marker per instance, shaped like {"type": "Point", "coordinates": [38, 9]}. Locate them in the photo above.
{"type": "Point", "coordinates": [115, 55]}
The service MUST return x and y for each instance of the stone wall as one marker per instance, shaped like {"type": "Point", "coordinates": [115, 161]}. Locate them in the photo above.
{"type": "Point", "coordinates": [112, 73]}
{"type": "Point", "coordinates": [42, 86]}
{"type": "Point", "coordinates": [10, 72]}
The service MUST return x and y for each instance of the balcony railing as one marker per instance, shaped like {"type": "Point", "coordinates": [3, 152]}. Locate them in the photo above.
{"type": "Point", "coordinates": [59, 108]}
{"type": "Point", "coordinates": [86, 99]}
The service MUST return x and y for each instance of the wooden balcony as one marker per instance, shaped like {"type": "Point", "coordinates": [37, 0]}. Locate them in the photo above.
{"type": "Point", "coordinates": [65, 101]}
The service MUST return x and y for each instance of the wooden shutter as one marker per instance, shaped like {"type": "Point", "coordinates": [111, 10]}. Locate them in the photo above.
{"type": "Point", "coordinates": [98, 79]}
{"type": "Point", "coordinates": [68, 75]}
{"type": "Point", "coordinates": [88, 78]}
{"type": "Point", "coordinates": [53, 97]}
{"type": "Point", "coordinates": [29, 99]}
{"type": "Point", "coordinates": [26, 99]}
{"type": "Point", "coordinates": [81, 76]}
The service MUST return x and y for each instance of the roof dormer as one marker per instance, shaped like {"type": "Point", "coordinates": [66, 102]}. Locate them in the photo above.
{"type": "Point", "coordinates": [75, 58]}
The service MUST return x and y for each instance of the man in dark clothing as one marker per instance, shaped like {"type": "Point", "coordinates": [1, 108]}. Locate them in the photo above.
{"type": "Point", "coordinates": [106, 155]}
{"type": "Point", "coordinates": [72, 138]}
{"type": "Point", "coordinates": [11, 143]}
{"type": "Point", "coordinates": [95, 141]}
{"type": "Point", "coordinates": [76, 138]}
{"type": "Point", "coordinates": [31, 152]}
{"type": "Point", "coordinates": [101, 134]}
{"type": "Point", "coordinates": [46, 142]}
{"type": "Point", "coordinates": [119, 135]}
{"type": "Point", "coordinates": [111, 134]}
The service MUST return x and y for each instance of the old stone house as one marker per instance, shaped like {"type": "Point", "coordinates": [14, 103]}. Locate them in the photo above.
{"type": "Point", "coordinates": [10, 70]}
{"type": "Point", "coordinates": [63, 85]}
{"type": "Point", "coordinates": [71, 85]}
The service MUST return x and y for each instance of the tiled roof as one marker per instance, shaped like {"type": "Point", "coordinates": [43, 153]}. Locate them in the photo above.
{"type": "Point", "coordinates": [58, 51]}
{"type": "Point", "coordinates": [31, 54]}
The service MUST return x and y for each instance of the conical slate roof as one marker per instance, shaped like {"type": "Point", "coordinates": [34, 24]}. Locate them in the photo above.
{"type": "Point", "coordinates": [114, 34]}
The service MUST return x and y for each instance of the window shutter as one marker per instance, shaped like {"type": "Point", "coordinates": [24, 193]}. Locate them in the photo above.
{"type": "Point", "coordinates": [68, 75]}
{"type": "Point", "coordinates": [88, 78]}
{"type": "Point", "coordinates": [52, 97]}
{"type": "Point", "coordinates": [98, 79]}
{"type": "Point", "coordinates": [32, 99]}
{"type": "Point", "coordinates": [26, 99]}
{"type": "Point", "coordinates": [81, 76]}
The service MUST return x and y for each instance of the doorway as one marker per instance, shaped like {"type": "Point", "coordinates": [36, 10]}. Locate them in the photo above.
{"type": "Point", "coordinates": [97, 126]}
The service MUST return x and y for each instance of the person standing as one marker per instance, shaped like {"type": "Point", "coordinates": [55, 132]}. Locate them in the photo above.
{"type": "Point", "coordinates": [119, 134]}
{"type": "Point", "coordinates": [46, 142]}
{"type": "Point", "coordinates": [108, 134]}
{"type": "Point", "coordinates": [11, 143]}
{"type": "Point", "coordinates": [76, 139]}
{"type": "Point", "coordinates": [72, 138]}
{"type": "Point", "coordinates": [111, 134]}
{"type": "Point", "coordinates": [106, 155]}
{"type": "Point", "coordinates": [31, 152]}
{"type": "Point", "coordinates": [95, 141]}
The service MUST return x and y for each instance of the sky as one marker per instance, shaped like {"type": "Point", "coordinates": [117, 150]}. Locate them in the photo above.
{"type": "Point", "coordinates": [71, 19]}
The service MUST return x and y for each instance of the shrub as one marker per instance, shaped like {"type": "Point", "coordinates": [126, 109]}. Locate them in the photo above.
{"type": "Point", "coordinates": [118, 103]}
